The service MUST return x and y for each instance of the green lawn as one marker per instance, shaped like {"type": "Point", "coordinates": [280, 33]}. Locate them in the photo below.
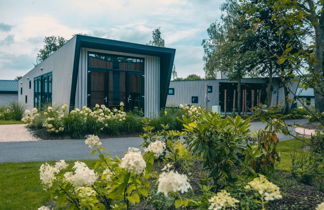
{"type": "Point", "coordinates": [285, 149]}
{"type": "Point", "coordinates": [9, 122]}
{"type": "Point", "coordinates": [20, 187]}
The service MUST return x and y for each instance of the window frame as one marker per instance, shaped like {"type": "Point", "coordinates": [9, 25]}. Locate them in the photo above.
{"type": "Point", "coordinates": [172, 89]}
{"type": "Point", "coordinates": [209, 88]}
{"type": "Point", "coordinates": [193, 101]}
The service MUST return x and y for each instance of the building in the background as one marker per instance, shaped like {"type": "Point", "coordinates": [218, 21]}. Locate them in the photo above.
{"type": "Point", "coordinates": [223, 93]}
{"type": "Point", "coordinates": [8, 92]}
{"type": "Point", "coordinates": [90, 70]}
{"type": "Point", "coordinates": [305, 97]}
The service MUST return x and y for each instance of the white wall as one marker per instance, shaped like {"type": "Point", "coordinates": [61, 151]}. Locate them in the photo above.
{"type": "Point", "coordinates": [60, 63]}
{"type": "Point", "coordinates": [151, 81]}
{"type": "Point", "coordinates": [8, 98]}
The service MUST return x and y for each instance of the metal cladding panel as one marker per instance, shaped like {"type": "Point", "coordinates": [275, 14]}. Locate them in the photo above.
{"type": "Point", "coordinates": [82, 84]}
{"type": "Point", "coordinates": [60, 63]}
{"type": "Point", "coordinates": [152, 86]}
{"type": "Point", "coordinates": [8, 98]}
{"type": "Point", "coordinates": [184, 90]}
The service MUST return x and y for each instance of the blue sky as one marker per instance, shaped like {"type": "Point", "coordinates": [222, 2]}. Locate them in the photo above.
{"type": "Point", "coordinates": [25, 23]}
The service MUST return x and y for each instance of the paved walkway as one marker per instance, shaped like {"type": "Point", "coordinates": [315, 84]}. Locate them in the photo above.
{"type": "Point", "coordinates": [16, 132]}
{"type": "Point", "coordinates": [46, 150]}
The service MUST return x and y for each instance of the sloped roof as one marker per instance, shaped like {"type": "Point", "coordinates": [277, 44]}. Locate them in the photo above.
{"type": "Point", "coordinates": [8, 86]}
{"type": "Point", "coordinates": [301, 92]}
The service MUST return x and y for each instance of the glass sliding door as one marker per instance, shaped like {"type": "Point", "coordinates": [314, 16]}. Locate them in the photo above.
{"type": "Point", "coordinates": [115, 79]}
{"type": "Point", "coordinates": [43, 90]}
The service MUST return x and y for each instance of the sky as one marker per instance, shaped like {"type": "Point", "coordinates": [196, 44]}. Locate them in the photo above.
{"type": "Point", "coordinates": [183, 23]}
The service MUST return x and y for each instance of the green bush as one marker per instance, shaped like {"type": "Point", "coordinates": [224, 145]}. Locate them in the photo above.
{"type": "Point", "coordinates": [220, 143]}
{"type": "Point", "coordinates": [14, 111]}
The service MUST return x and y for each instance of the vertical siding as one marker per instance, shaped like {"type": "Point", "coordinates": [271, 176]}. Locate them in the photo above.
{"type": "Point", "coordinates": [60, 63]}
{"type": "Point", "coordinates": [82, 87]}
{"type": "Point", "coordinates": [152, 86]}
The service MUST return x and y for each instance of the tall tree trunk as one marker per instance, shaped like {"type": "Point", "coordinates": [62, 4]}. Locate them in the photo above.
{"type": "Point", "coordinates": [286, 92]}
{"type": "Point", "coordinates": [319, 68]}
{"type": "Point", "coordinates": [269, 87]}
{"type": "Point", "coordinates": [239, 96]}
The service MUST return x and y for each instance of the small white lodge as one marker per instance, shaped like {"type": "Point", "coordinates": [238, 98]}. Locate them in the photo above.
{"type": "Point", "coordinates": [90, 70]}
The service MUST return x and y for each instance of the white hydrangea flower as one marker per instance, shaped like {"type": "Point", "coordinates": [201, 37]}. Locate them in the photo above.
{"type": "Point", "coordinates": [222, 200]}
{"type": "Point", "coordinates": [82, 176]}
{"type": "Point", "coordinates": [85, 192]}
{"type": "Point", "coordinates": [107, 174]}
{"type": "Point", "coordinates": [167, 167]}
{"type": "Point", "coordinates": [44, 208]}
{"type": "Point", "coordinates": [156, 147]}
{"type": "Point", "coordinates": [47, 175]}
{"type": "Point", "coordinates": [93, 141]}
{"type": "Point", "coordinates": [60, 165]}
{"type": "Point", "coordinates": [133, 161]}
{"type": "Point", "coordinates": [173, 182]}
{"type": "Point", "coordinates": [320, 206]}
{"type": "Point", "coordinates": [266, 189]}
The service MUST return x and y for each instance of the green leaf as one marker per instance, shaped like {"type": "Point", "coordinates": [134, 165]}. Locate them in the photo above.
{"type": "Point", "coordinates": [281, 60]}
{"type": "Point", "coordinates": [93, 152]}
{"type": "Point", "coordinates": [134, 198]}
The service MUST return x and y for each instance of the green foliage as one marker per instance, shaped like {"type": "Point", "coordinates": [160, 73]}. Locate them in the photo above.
{"type": "Point", "coordinates": [220, 143]}
{"type": "Point", "coordinates": [51, 44]}
{"type": "Point", "coordinates": [308, 167]}
{"type": "Point", "coordinates": [189, 78]}
{"type": "Point", "coordinates": [317, 143]}
{"type": "Point", "coordinates": [12, 112]}
{"type": "Point", "coordinates": [157, 38]}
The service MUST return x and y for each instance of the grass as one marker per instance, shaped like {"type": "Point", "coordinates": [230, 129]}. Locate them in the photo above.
{"type": "Point", "coordinates": [285, 149]}
{"type": "Point", "coordinates": [10, 122]}
{"type": "Point", "coordinates": [20, 187]}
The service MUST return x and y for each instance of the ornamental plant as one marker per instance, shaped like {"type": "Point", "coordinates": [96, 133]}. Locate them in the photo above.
{"type": "Point", "coordinates": [267, 190]}
{"type": "Point", "coordinates": [220, 142]}
{"type": "Point", "coordinates": [54, 119]}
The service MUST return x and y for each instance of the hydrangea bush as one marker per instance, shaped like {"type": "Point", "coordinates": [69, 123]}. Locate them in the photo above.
{"type": "Point", "coordinates": [167, 172]}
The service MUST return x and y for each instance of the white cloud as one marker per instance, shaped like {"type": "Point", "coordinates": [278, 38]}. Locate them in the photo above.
{"type": "Point", "coordinates": [183, 24]}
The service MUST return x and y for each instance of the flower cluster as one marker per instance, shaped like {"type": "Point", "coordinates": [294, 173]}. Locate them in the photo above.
{"type": "Point", "coordinates": [156, 147]}
{"type": "Point", "coordinates": [222, 200]}
{"type": "Point", "coordinates": [266, 189]}
{"type": "Point", "coordinates": [93, 141]}
{"type": "Point", "coordinates": [106, 174]}
{"type": "Point", "coordinates": [48, 172]}
{"type": "Point", "coordinates": [54, 119]}
{"type": "Point", "coordinates": [82, 176]}
{"type": "Point", "coordinates": [85, 192]}
{"type": "Point", "coordinates": [29, 116]}
{"type": "Point", "coordinates": [192, 111]}
{"type": "Point", "coordinates": [133, 161]}
{"type": "Point", "coordinates": [173, 182]}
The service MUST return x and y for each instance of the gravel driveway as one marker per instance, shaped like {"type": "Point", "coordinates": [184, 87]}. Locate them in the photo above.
{"type": "Point", "coordinates": [16, 132]}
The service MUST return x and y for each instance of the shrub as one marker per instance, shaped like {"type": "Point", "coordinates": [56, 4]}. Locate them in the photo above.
{"type": "Point", "coordinates": [220, 143]}
{"type": "Point", "coordinates": [12, 112]}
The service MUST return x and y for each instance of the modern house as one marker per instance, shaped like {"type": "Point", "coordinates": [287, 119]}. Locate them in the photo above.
{"type": "Point", "coordinates": [88, 70]}
{"type": "Point", "coordinates": [8, 92]}
{"type": "Point", "coordinates": [223, 93]}
{"type": "Point", "coordinates": [305, 97]}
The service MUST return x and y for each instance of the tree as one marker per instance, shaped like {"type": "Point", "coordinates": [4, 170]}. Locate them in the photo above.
{"type": "Point", "coordinates": [51, 44]}
{"type": "Point", "coordinates": [228, 48]}
{"type": "Point", "coordinates": [157, 38]}
{"type": "Point", "coordinates": [190, 77]}
{"type": "Point", "coordinates": [307, 17]}
{"type": "Point", "coordinates": [271, 41]}
{"type": "Point", "coordinates": [18, 78]}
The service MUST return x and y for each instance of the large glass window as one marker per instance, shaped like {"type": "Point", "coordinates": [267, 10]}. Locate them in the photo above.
{"type": "Point", "coordinates": [43, 90]}
{"type": "Point", "coordinates": [115, 62]}
{"type": "Point", "coordinates": [114, 79]}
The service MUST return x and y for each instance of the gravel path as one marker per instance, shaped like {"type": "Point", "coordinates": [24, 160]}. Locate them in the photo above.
{"type": "Point", "coordinates": [26, 148]}
{"type": "Point", "coordinates": [16, 132]}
